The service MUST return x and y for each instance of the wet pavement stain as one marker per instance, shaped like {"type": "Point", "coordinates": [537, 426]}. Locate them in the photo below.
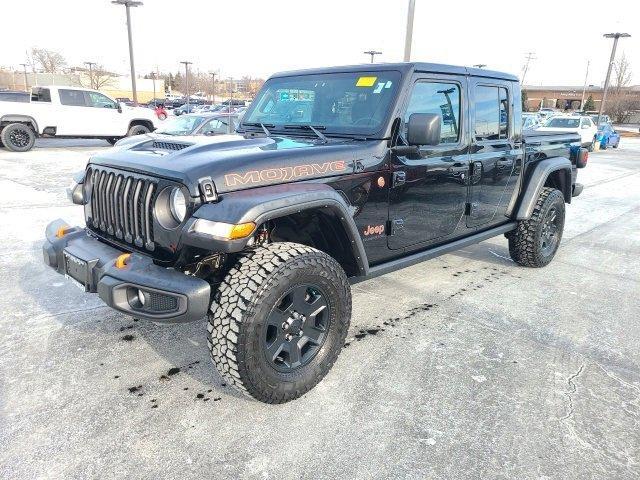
{"type": "Point", "coordinates": [135, 389]}
{"type": "Point", "coordinates": [128, 338]}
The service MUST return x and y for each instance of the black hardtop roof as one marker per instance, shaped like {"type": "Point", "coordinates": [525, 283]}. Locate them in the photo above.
{"type": "Point", "coordinates": [404, 68]}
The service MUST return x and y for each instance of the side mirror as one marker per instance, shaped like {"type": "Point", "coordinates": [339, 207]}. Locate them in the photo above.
{"type": "Point", "coordinates": [119, 107]}
{"type": "Point", "coordinates": [424, 129]}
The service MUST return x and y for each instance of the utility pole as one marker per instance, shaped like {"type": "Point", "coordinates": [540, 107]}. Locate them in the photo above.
{"type": "Point", "coordinates": [408, 39]}
{"type": "Point", "coordinates": [186, 80]}
{"type": "Point", "coordinates": [91, 64]}
{"type": "Point", "coordinates": [615, 37]}
{"type": "Point", "coordinates": [373, 53]}
{"type": "Point", "coordinates": [153, 77]}
{"type": "Point", "coordinates": [213, 87]}
{"type": "Point", "coordinates": [584, 89]}
{"type": "Point", "coordinates": [128, 4]}
{"type": "Point", "coordinates": [480, 65]}
{"type": "Point", "coordinates": [24, 67]}
{"type": "Point", "coordinates": [530, 56]}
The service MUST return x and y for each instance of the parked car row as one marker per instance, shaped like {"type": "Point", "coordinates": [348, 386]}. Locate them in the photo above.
{"type": "Point", "coordinates": [584, 125]}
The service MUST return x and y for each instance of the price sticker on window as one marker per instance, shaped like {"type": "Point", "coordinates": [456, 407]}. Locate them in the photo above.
{"type": "Point", "coordinates": [366, 81]}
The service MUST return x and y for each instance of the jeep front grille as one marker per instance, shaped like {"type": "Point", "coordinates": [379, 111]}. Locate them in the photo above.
{"type": "Point", "coordinates": [121, 206]}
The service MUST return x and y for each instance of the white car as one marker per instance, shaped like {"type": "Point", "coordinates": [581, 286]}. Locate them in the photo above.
{"type": "Point", "coordinates": [70, 112]}
{"type": "Point", "coordinates": [583, 126]}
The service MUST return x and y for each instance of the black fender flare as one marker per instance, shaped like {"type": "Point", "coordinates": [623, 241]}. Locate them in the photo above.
{"type": "Point", "coordinates": [536, 181]}
{"type": "Point", "coordinates": [16, 118]}
{"type": "Point", "coordinates": [261, 204]}
{"type": "Point", "coordinates": [137, 121]}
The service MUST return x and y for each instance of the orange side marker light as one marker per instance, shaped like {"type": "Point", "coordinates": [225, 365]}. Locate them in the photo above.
{"type": "Point", "coordinates": [121, 261]}
{"type": "Point", "coordinates": [62, 231]}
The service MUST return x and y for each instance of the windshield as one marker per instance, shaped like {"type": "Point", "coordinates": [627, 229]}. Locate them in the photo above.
{"type": "Point", "coordinates": [563, 123]}
{"type": "Point", "coordinates": [182, 125]}
{"type": "Point", "coordinates": [337, 102]}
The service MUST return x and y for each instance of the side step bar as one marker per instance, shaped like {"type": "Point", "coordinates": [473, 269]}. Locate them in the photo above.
{"type": "Point", "coordinates": [416, 258]}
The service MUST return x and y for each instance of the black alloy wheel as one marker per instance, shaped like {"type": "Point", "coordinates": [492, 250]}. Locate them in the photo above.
{"type": "Point", "coordinates": [296, 328]}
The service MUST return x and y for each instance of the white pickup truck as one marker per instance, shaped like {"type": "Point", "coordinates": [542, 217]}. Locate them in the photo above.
{"type": "Point", "coordinates": [70, 112]}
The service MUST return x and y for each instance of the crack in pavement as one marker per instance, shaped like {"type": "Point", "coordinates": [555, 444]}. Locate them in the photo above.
{"type": "Point", "coordinates": [573, 388]}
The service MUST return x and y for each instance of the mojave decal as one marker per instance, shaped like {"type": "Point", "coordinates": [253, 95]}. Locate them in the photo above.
{"type": "Point", "coordinates": [283, 174]}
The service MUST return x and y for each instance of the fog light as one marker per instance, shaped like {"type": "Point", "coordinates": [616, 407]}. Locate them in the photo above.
{"type": "Point", "coordinates": [141, 297]}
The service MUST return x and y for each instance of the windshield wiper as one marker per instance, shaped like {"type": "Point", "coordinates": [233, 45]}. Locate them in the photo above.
{"type": "Point", "coordinates": [262, 126]}
{"type": "Point", "coordinates": [315, 130]}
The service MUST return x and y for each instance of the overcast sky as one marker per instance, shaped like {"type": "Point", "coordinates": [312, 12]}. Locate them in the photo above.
{"type": "Point", "coordinates": [259, 37]}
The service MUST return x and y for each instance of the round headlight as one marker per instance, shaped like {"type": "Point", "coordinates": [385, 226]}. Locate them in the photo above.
{"type": "Point", "coordinates": [178, 205]}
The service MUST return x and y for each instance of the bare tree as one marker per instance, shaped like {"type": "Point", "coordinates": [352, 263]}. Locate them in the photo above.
{"type": "Point", "coordinates": [622, 102]}
{"type": "Point", "coordinates": [49, 61]}
{"type": "Point", "coordinates": [96, 79]}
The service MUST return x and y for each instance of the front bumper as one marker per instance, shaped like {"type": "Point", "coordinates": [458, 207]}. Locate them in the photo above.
{"type": "Point", "coordinates": [169, 295]}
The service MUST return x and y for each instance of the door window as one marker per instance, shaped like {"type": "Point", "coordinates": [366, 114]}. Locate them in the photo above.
{"type": "Point", "coordinates": [216, 127]}
{"type": "Point", "coordinates": [492, 113]}
{"type": "Point", "coordinates": [439, 98]}
{"type": "Point", "coordinates": [95, 99]}
{"type": "Point", "coordinates": [73, 98]}
{"type": "Point", "coordinates": [39, 94]}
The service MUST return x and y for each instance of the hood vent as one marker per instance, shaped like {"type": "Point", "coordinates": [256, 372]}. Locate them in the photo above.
{"type": "Point", "coordinates": [160, 145]}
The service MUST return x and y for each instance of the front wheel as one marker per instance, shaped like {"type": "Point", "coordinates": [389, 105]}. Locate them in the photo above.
{"type": "Point", "coordinates": [137, 130]}
{"type": "Point", "coordinates": [279, 320]}
{"type": "Point", "coordinates": [535, 242]}
{"type": "Point", "coordinates": [18, 137]}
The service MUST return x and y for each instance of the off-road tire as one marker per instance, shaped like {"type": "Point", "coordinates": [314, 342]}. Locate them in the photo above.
{"type": "Point", "coordinates": [137, 130]}
{"type": "Point", "coordinates": [243, 301]}
{"type": "Point", "coordinates": [524, 242]}
{"type": "Point", "coordinates": [27, 137]}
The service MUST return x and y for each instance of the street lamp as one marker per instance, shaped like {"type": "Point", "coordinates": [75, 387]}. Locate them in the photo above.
{"type": "Point", "coordinates": [128, 4]}
{"type": "Point", "coordinates": [91, 64]}
{"type": "Point", "coordinates": [24, 67]}
{"type": "Point", "coordinates": [186, 80]}
{"type": "Point", "coordinates": [615, 37]}
{"type": "Point", "coordinates": [372, 53]}
{"type": "Point", "coordinates": [408, 39]}
{"type": "Point", "coordinates": [213, 87]}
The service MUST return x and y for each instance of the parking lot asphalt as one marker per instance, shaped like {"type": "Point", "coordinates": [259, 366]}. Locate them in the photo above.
{"type": "Point", "coordinates": [463, 367]}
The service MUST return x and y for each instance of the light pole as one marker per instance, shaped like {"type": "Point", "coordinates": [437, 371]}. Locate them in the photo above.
{"type": "Point", "coordinates": [128, 4]}
{"type": "Point", "coordinates": [409, 32]}
{"type": "Point", "coordinates": [91, 64]}
{"type": "Point", "coordinates": [153, 77]}
{"type": "Point", "coordinates": [213, 87]}
{"type": "Point", "coordinates": [584, 88]}
{"type": "Point", "coordinates": [24, 67]}
{"type": "Point", "coordinates": [615, 37]}
{"type": "Point", "coordinates": [186, 80]}
{"type": "Point", "coordinates": [372, 53]}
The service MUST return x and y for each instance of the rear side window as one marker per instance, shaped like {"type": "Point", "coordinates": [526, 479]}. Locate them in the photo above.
{"type": "Point", "coordinates": [40, 94]}
{"type": "Point", "coordinates": [439, 98]}
{"type": "Point", "coordinates": [74, 98]}
{"type": "Point", "coordinates": [492, 113]}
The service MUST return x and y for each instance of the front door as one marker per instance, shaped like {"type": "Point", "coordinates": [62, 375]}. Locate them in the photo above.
{"type": "Point", "coordinates": [429, 189]}
{"type": "Point", "coordinates": [494, 152]}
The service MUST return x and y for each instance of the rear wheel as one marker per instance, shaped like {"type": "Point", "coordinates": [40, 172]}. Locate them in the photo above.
{"type": "Point", "coordinates": [138, 130]}
{"type": "Point", "coordinates": [279, 320]}
{"type": "Point", "coordinates": [535, 242]}
{"type": "Point", "coordinates": [18, 137]}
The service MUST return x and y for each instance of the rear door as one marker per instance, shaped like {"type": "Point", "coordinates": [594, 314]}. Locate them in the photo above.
{"type": "Point", "coordinates": [429, 189]}
{"type": "Point", "coordinates": [496, 149]}
{"type": "Point", "coordinates": [73, 118]}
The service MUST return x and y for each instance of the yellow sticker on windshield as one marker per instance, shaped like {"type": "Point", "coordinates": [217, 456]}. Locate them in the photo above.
{"type": "Point", "coordinates": [366, 81]}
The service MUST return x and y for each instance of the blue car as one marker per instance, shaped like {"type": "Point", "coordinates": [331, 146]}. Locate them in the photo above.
{"type": "Point", "coordinates": [608, 136]}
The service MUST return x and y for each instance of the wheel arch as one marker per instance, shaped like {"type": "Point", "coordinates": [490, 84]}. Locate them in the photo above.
{"type": "Point", "coordinates": [26, 119]}
{"type": "Point", "coordinates": [552, 172]}
{"type": "Point", "coordinates": [311, 214]}
{"type": "Point", "coordinates": [142, 121]}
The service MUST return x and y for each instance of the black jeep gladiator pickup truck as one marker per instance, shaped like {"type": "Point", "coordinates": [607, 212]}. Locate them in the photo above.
{"type": "Point", "coordinates": [334, 176]}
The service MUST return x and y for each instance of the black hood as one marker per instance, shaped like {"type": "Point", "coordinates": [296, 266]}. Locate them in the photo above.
{"type": "Point", "coordinates": [234, 162]}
